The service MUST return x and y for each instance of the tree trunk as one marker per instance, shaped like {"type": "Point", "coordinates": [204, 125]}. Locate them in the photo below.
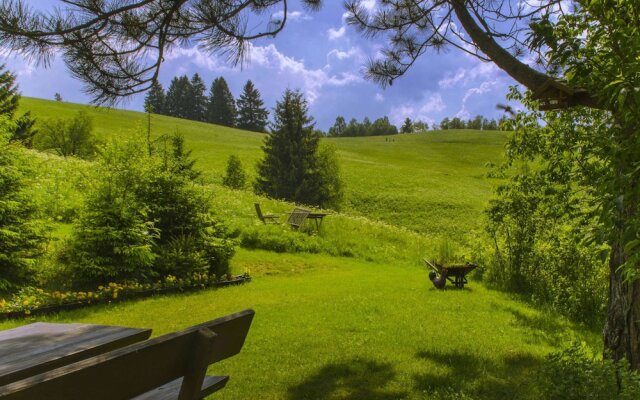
{"type": "Point", "coordinates": [622, 330]}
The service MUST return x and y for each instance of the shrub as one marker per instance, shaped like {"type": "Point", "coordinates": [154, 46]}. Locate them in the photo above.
{"type": "Point", "coordinates": [113, 238]}
{"type": "Point", "coordinates": [21, 238]}
{"type": "Point", "coordinates": [145, 218]}
{"type": "Point", "coordinates": [575, 374]}
{"type": "Point", "coordinates": [235, 177]}
{"type": "Point", "coordinates": [71, 137]}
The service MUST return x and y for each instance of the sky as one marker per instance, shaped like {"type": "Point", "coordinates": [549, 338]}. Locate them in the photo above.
{"type": "Point", "coordinates": [320, 55]}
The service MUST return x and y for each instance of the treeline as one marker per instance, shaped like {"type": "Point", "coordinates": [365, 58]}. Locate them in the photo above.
{"type": "Point", "coordinates": [479, 123]}
{"type": "Point", "coordinates": [187, 98]}
{"type": "Point", "coordinates": [379, 127]}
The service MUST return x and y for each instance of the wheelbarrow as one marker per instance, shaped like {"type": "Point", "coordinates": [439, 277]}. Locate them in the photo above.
{"type": "Point", "coordinates": [455, 274]}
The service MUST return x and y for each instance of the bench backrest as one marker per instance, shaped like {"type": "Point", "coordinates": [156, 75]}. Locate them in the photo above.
{"type": "Point", "coordinates": [259, 211]}
{"type": "Point", "coordinates": [297, 217]}
{"type": "Point", "coordinates": [141, 367]}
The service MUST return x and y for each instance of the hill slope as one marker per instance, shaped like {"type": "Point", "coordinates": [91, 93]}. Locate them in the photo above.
{"type": "Point", "coordinates": [432, 183]}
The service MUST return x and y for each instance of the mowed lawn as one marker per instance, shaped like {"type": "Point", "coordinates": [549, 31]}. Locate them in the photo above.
{"type": "Point", "coordinates": [333, 328]}
{"type": "Point", "coordinates": [434, 183]}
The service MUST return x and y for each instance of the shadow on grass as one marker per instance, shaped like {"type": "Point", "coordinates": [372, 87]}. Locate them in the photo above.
{"type": "Point", "coordinates": [540, 327]}
{"type": "Point", "coordinates": [466, 376]}
{"type": "Point", "coordinates": [352, 380]}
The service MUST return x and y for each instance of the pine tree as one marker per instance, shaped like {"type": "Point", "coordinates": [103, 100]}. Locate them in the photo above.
{"type": "Point", "coordinates": [155, 100]}
{"type": "Point", "coordinates": [289, 169]}
{"type": "Point", "coordinates": [222, 107]}
{"type": "Point", "coordinates": [198, 101]}
{"type": "Point", "coordinates": [407, 127]}
{"type": "Point", "coordinates": [22, 129]}
{"type": "Point", "coordinates": [177, 100]}
{"type": "Point", "coordinates": [235, 177]}
{"type": "Point", "coordinates": [252, 115]}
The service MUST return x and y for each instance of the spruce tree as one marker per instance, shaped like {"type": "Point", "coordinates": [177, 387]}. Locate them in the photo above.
{"type": "Point", "coordinates": [177, 100]}
{"type": "Point", "coordinates": [407, 127]}
{"type": "Point", "coordinates": [289, 169]}
{"type": "Point", "coordinates": [22, 128]}
{"type": "Point", "coordinates": [198, 101]}
{"type": "Point", "coordinates": [252, 115]}
{"type": "Point", "coordinates": [222, 107]}
{"type": "Point", "coordinates": [155, 100]}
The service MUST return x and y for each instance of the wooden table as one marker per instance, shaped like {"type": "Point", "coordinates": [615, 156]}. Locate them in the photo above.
{"type": "Point", "coordinates": [317, 218]}
{"type": "Point", "coordinates": [39, 347]}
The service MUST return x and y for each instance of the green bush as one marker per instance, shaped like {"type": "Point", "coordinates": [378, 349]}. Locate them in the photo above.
{"type": "Point", "coordinates": [68, 137]}
{"type": "Point", "coordinates": [21, 237]}
{"type": "Point", "coordinates": [113, 238]}
{"type": "Point", "coordinates": [145, 218]}
{"type": "Point", "coordinates": [575, 374]}
{"type": "Point", "coordinates": [235, 177]}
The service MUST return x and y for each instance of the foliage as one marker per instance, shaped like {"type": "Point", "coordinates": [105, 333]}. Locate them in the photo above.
{"type": "Point", "coordinates": [113, 238]}
{"type": "Point", "coordinates": [235, 177]}
{"type": "Point", "coordinates": [72, 137]}
{"type": "Point", "coordinates": [29, 298]}
{"type": "Point", "coordinates": [332, 187]}
{"type": "Point", "coordinates": [291, 167]}
{"type": "Point", "coordinates": [197, 99]}
{"type": "Point", "coordinates": [145, 217]}
{"type": "Point", "coordinates": [576, 374]}
{"type": "Point", "coordinates": [338, 127]}
{"type": "Point", "coordinates": [544, 222]}
{"type": "Point", "coordinates": [177, 100]}
{"type": "Point", "coordinates": [21, 236]}
{"type": "Point", "coordinates": [252, 115]}
{"type": "Point", "coordinates": [22, 129]}
{"type": "Point", "coordinates": [407, 126]}
{"type": "Point", "coordinates": [222, 107]}
{"type": "Point", "coordinates": [379, 127]}
{"type": "Point", "coordinates": [155, 99]}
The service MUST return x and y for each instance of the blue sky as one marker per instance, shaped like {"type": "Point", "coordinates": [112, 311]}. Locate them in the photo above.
{"type": "Point", "coordinates": [318, 54]}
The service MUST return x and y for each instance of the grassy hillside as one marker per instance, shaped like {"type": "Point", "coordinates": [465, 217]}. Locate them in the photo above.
{"type": "Point", "coordinates": [432, 183]}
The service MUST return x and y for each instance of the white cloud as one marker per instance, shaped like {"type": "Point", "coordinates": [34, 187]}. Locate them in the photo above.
{"type": "Point", "coordinates": [311, 80]}
{"type": "Point", "coordinates": [198, 57]}
{"type": "Point", "coordinates": [422, 110]}
{"type": "Point", "coordinates": [463, 76]}
{"type": "Point", "coordinates": [354, 52]}
{"type": "Point", "coordinates": [484, 87]}
{"type": "Point", "coordinates": [379, 97]}
{"type": "Point", "coordinates": [336, 34]}
{"type": "Point", "coordinates": [292, 16]}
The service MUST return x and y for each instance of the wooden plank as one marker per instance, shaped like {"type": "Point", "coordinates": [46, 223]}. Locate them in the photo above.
{"type": "Point", "coordinates": [39, 347]}
{"type": "Point", "coordinates": [170, 391]}
{"type": "Point", "coordinates": [136, 369]}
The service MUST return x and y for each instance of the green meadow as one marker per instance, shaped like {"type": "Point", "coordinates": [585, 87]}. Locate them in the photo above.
{"type": "Point", "coordinates": [347, 312]}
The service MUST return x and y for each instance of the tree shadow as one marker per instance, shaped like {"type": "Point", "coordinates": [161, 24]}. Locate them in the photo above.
{"type": "Point", "coordinates": [541, 328]}
{"type": "Point", "coordinates": [463, 374]}
{"type": "Point", "coordinates": [351, 380]}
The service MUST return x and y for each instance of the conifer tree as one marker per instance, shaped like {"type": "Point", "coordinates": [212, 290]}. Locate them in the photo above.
{"type": "Point", "coordinates": [222, 107]}
{"type": "Point", "coordinates": [22, 129]}
{"type": "Point", "coordinates": [235, 177]}
{"type": "Point", "coordinates": [252, 115]}
{"type": "Point", "coordinates": [155, 100]}
{"type": "Point", "coordinates": [177, 100]}
{"type": "Point", "coordinates": [198, 101]}
{"type": "Point", "coordinates": [290, 168]}
{"type": "Point", "coordinates": [407, 127]}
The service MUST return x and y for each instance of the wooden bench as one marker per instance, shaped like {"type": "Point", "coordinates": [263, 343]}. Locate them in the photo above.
{"type": "Point", "coordinates": [265, 218]}
{"type": "Point", "coordinates": [172, 366]}
{"type": "Point", "coordinates": [297, 217]}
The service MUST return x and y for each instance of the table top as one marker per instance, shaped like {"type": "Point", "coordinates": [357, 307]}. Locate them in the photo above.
{"type": "Point", "coordinates": [38, 347]}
